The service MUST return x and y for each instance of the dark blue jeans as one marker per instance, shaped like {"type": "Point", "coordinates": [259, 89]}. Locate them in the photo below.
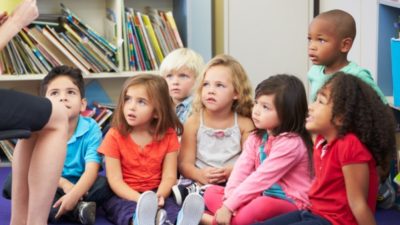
{"type": "Point", "coordinates": [120, 211]}
{"type": "Point", "coordinates": [296, 218]}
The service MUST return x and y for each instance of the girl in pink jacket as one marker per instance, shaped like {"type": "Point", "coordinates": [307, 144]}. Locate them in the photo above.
{"type": "Point", "coordinates": [273, 174]}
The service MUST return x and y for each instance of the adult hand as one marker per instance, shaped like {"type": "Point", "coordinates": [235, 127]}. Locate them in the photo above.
{"type": "Point", "coordinates": [25, 13]}
{"type": "Point", "coordinates": [3, 17]}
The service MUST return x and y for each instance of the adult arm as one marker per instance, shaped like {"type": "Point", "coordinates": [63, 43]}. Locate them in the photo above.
{"type": "Point", "coordinates": [22, 16]}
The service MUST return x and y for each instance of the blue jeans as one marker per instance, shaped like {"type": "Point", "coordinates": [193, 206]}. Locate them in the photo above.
{"type": "Point", "coordinates": [296, 218]}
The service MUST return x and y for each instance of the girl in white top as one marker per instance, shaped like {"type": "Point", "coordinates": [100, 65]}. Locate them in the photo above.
{"type": "Point", "coordinates": [221, 121]}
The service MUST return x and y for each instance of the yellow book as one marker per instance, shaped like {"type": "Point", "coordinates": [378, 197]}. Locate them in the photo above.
{"type": "Point", "coordinates": [9, 5]}
{"type": "Point", "coordinates": [153, 38]}
{"type": "Point", "coordinates": [171, 21]}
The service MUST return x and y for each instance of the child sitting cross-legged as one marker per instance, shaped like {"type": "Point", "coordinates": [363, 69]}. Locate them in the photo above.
{"type": "Point", "coordinates": [141, 152]}
{"type": "Point", "coordinates": [80, 188]}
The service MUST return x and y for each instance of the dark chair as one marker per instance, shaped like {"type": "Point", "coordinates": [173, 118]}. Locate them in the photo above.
{"type": "Point", "coordinates": [12, 134]}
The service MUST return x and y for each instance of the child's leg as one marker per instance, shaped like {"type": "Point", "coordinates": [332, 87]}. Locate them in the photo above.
{"type": "Point", "coordinates": [172, 209]}
{"type": "Point", "coordinates": [213, 198]}
{"type": "Point", "coordinates": [119, 211]}
{"type": "Point", "coordinates": [262, 208]}
{"type": "Point", "coordinates": [37, 158]}
{"type": "Point", "coordinates": [99, 192]}
{"type": "Point", "coordinates": [296, 218]}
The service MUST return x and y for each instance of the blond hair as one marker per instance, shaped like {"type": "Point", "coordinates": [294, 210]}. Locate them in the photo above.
{"type": "Point", "coordinates": [182, 58]}
{"type": "Point", "coordinates": [157, 90]}
{"type": "Point", "coordinates": [241, 85]}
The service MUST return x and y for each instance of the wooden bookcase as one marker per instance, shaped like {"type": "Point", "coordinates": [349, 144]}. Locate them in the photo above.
{"type": "Point", "coordinates": [190, 15]}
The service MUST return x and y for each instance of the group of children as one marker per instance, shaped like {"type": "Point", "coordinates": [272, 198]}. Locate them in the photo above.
{"type": "Point", "coordinates": [251, 159]}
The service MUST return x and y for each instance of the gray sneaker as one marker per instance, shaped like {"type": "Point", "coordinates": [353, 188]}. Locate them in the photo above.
{"type": "Point", "coordinates": [386, 195]}
{"type": "Point", "coordinates": [161, 217]}
{"type": "Point", "coordinates": [192, 210]}
{"type": "Point", "coordinates": [146, 209]}
{"type": "Point", "coordinates": [86, 212]}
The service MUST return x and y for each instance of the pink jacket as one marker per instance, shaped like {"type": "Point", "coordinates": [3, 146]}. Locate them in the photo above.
{"type": "Point", "coordinates": [287, 164]}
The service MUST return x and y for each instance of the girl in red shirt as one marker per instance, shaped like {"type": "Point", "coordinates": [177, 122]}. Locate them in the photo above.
{"type": "Point", "coordinates": [355, 135]}
{"type": "Point", "coordinates": [141, 152]}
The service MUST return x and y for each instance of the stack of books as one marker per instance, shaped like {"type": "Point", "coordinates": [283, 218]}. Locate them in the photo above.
{"type": "Point", "coordinates": [64, 39]}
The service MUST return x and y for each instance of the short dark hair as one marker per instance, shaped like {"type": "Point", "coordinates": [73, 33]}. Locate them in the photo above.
{"type": "Point", "coordinates": [74, 74]}
{"type": "Point", "coordinates": [343, 21]}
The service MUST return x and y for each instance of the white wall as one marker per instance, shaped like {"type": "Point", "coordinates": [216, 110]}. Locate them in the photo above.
{"type": "Point", "coordinates": [365, 13]}
{"type": "Point", "coordinates": [268, 36]}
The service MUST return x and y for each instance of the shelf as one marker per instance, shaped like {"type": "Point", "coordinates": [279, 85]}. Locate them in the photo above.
{"type": "Point", "coordinates": [390, 3]}
{"type": "Point", "coordinates": [29, 77]}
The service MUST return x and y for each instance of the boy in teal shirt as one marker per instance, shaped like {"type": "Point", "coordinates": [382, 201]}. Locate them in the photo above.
{"type": "Point", "coordinates": [330, 38]}
{"type": "Point", "coordinates": [80, 187]}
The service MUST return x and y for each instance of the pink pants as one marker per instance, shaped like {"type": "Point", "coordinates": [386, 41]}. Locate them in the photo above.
{"type": "Point", "coordinates": [258, 209]}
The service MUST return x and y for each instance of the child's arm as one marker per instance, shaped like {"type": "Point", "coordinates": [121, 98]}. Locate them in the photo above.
{"type": "Point", "coordinates": [246, 126]}
{"type": "Point", "coordinates": [85, 182]}
{"type": "Point", "coordinates": [168, 178]}
{"type": "Point", "coordinates": [187, 154]}
{"type": "Point", "coordinates": [115, 179]}
{"type": "Point", "coordinates": [356, 177]}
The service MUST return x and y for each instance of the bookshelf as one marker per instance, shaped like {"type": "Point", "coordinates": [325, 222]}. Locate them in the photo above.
{"type": "Point", "coordinates": [388, 13]}
{"type": "Point", "coordinates": [94, 13]}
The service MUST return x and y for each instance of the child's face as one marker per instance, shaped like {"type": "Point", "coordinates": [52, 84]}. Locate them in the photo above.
{"type": "Point", "coordinates": [320, 115]}
{"type": "Point", "coordinates": [138, 109]}
{"type": "Point", "coordinates": [62, 89]}
{"type": "Point", "coordinates": [180, 84]}
{"type": "Point", "coordinates": [264, 113]}
{"type": "Point", "coordinates": [323, 43]}
{"type": "Point", "coordinates": [217, 91]}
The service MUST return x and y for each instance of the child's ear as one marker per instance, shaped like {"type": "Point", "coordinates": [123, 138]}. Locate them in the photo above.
{"type": "Point", "coordinates": [346, 44]}
{"type": "Point", "coordinates": [83, 104]}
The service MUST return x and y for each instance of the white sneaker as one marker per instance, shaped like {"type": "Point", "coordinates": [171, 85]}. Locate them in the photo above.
{"type": "Point", "coordinates": [161, 217]}
{"type": "Point", "coordinates": [146, 209]}
{"type": "Point", "coordinates": [192, 210]}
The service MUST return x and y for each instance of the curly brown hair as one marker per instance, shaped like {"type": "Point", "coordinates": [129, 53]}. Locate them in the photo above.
{"type": "Point", "coordinates": [360, 111]}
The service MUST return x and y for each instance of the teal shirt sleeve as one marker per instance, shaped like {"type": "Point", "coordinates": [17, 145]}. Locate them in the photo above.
{"type": "Point", "coordinates": [93, 141]}
{"type": "Point", "coordinates": [365, 75]}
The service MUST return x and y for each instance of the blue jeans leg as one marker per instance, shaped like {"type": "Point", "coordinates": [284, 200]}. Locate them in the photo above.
{"type": "Point", "coordinates": [296, 218]}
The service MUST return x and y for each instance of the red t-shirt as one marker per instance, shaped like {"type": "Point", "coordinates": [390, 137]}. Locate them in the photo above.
{"type": "Point", "coordinates": [328, 192]}
{"type": "Point", "coordinates": [141, 168]}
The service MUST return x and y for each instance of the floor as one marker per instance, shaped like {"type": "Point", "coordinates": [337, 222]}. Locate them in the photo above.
{"type": "Point", "coordinates": [383, 217]}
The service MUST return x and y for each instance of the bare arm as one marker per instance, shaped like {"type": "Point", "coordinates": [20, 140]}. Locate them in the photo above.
{"type": "Point", "coordinates": [23, 15]}
{"type": "Point", "coordinates": [187, 154]}
{"type": "Point", "coordinates": [356, 177]}
{"type": "Point", "coordinates": [115, 179]}
{"type": "Point", "coordinates": [77, 191]}
{"type": "Point", "coordinates": [168, 174]}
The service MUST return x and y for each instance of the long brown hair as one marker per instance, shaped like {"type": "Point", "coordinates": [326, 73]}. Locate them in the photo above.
{"type": "Point", "coordinates": [157, 90]}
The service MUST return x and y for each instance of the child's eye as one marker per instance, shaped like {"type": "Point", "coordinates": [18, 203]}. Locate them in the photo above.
{"type": "Point", "coordinates": [71, 92]}
{"type": "Point", "coordinates": [142, 102]}
{"type": "Point", "coordinates": [220, 85]}
{"type": "Point", "coordinates": [322, 41]}
{"type": "Point", "coordinates": [183, 76]}
{"type": "Point", "coordinates": [205, 84]}
{"type": "Point", "coordinates": [168, 76]}
{"type": "Point", "coordinates": [126, 98]}
{"type": "Point", "coordinates": [53, 93]}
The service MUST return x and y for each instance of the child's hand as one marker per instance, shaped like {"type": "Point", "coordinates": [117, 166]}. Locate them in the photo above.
{"type": "Point", "coordinates": [223, 216]}
{"type": "Point", "coordinates": [3, 17]}
{"type": "Point", "coordinates": [212, 175]}
{"type": "Point", "coordinates": [66, 203]}
{"type": "Point", "coordinates": [161, 201]}
{"type": "Point", "coordinates": [66, 185]}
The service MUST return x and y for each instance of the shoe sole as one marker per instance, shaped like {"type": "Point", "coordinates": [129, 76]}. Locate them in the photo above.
{"type": "Point", "coordinates": [147, 208]}
{"type": "Point", "coordinates": [90, 211]}
{"type": "Point", "coordinates": [177, 195]}
{"type": "Point", "coordinates": [192, 209]}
